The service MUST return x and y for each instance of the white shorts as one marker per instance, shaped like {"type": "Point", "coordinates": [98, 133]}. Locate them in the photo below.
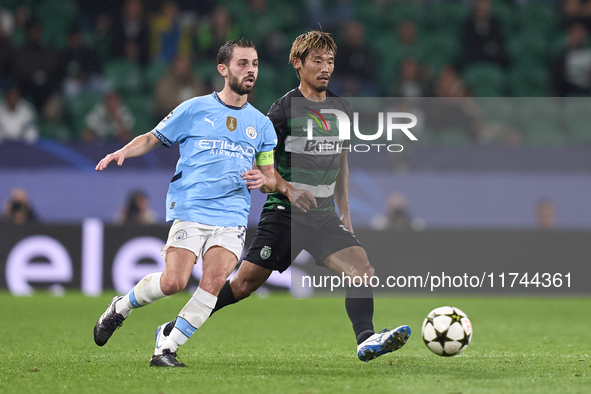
{"type": "Point", "coordinates": [198, 238]}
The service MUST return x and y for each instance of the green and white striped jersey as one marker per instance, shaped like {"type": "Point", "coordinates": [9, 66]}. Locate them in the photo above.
{"type": "Point", "coordinates": [307, 163]}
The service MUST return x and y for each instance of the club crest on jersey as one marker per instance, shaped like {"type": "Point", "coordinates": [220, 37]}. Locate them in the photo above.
{"type": "Point", "coordinates": [265, 252]}
{"type": "Point", "coordinates": [251, 132]}
{"type": "Point", "coordinates": [180, 235]}
{"type": "Point", "coordinates": [231, 123]}
{"type": "Point", "coordinates": [323, 123]}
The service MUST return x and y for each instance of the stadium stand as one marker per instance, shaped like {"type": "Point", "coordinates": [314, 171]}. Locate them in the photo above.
{"type": "Point", "coordinates": [485, 79]}
{"type": "Point", "coordinates": [431, 32]}
{"type": "Point", "coordinates": [126, 76]}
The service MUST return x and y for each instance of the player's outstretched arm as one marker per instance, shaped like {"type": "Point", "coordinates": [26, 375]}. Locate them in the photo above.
{"type": "Point", "coordinates": [140, 145]}
{"type": "Point", "coordinates": [262, 178]}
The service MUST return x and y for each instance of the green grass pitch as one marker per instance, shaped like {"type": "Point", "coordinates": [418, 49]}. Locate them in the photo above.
{"type": "Point", "coordinates": [282, 345]}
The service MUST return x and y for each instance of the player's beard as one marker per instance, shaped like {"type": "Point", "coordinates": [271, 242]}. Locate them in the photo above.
{"type": "Point", "coordinates": [321, 88]}
{"type": "Point", "coordinates": [238, 86]}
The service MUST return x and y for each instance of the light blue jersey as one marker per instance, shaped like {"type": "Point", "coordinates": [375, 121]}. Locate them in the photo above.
{"type": "Point", "coordinates": [218, 143]}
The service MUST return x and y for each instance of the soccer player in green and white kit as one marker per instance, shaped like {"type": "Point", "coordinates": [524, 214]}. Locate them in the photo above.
{"type": "Point", "coordinates": [311, 175]}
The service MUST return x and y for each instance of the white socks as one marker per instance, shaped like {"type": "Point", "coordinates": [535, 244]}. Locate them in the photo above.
{"type": "Point", "coordinates": [191, 317]}
{"type": "Point", "coordinates": [145, 292]}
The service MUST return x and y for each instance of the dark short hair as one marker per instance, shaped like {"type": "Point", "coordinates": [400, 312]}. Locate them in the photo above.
{"type": "Point", "coordinates": [227, 50]}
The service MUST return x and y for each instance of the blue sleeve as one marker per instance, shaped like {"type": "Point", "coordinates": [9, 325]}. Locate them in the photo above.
{"type": "Point", "coordinates": [176, 125]}
{"type": "Point", "coordinates": [269, 140]}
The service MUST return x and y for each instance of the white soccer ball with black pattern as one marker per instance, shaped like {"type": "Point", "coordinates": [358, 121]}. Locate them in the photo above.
{"type": "Point", "coordinates": [447, 331]}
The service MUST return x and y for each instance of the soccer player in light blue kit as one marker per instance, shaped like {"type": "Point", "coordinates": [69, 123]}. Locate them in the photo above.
{"type": "Point", "coordinates": [226, 150]}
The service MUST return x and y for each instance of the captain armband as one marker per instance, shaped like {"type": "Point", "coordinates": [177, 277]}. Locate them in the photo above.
{"type": "Point", "coordinates": [264, 158]}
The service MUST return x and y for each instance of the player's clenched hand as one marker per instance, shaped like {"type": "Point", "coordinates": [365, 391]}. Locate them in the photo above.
{"type": "Point", "coordinates": [254, 179]}
{"type": "Point", "coordinates": [302, 199]}
{"type": "Point", "coordinates": [115, 156]}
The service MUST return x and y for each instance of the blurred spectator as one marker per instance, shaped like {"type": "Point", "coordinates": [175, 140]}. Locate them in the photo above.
{"type": "Point", "coordinates": [449, 84]}
{"type": "Point", "coordinates": [82, 67]}
{"type": "Point", "coordinates": [137, 210]}
{"type": "Point", "coordinates": [17, 209]}
{"type": "Point", "coordinates": [89, 10]}
{"type": "Point", "coordinates": [110, 120]}
{"type": "Point", "coordinates": [100, 37]}
{"type": "Point", "coordinates": [355, 60]}
{"type": "Point", "coordinates": [214, 32]}
{"type": "Point", "coordinates": [545, 214]}
{"type": "Point", "coordinates": [272, 20]}
{"type": "Point", "coordinates": [459, 112]}
{"type": "Point", "coordinates": [483, 40]}
{"type": "Point", "coordinates": [571, 73]}
{"type": "Point", "coordinates": [329, 14]}
{"type": "Point", "coordinates": [131, 28]}
{"type": "Point", "coordinates": [411, 79]}
{"type": "Point", "coordinates": [6, 55]}
{"type": "Point", "coordinates": [577, 11]}
{"type": "Point", "coordinates": [408, 39]}
{"type": "Point", "coordinates": [6, 22]}
{"type": "Point", "coordinates": [177, 85]}
{"type": "Point", "coordinates": [169, 36]}
{"type": "Point", "coordinates": [36, 67]}
{"type": "Point", "coordinates": [131, 52]}
{"type": "Point", "coordinates": [17, 118]}
{"type": "Point", "coordinates": [22, 15]}
{"type": "Point", "coordinates": [396, 217]}
{"type": "Point", "coordinates": [258, 14]}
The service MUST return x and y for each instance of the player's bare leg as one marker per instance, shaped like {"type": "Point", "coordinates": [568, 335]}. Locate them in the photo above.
{"type": "Point", "coordinates": [179, 265]}
{"type": "Point", "coordinates": [218, 264]}
{"type": "Point", "coordinates": [247, 280]}
{"type": "Point", "coordinates": [176, 274]}
{"type": "Point", "coordinates": [151, 288]}
{"type": "Point", "coordinates": [353, 262]}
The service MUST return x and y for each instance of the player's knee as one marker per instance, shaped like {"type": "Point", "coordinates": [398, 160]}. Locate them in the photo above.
{"type": "Point", "coordinates": [242, 289]}
{"type": "Point", "coordinates": [172, 285]}
{"type": "Point", "coordinates": [361, 273]}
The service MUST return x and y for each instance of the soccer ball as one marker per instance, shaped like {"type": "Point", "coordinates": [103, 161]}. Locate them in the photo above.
{"type": "Point", "coordinates": [447, 331]}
